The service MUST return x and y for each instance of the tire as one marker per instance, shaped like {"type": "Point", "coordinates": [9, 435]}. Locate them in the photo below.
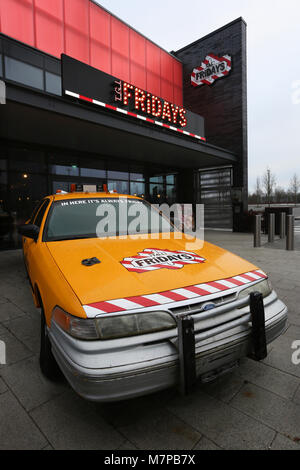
{"type": "Point", "coordinates": [48, 364]}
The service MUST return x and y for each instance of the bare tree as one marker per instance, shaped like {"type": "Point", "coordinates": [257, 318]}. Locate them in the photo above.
{"type": "Point", "coordinates": [258, 191]}
{"type": "Point", "coordinates": [295, 187]}
{"type": "Point", "coordinates": [269, 182]}
{"type": "Point", "coordinates": [280, 194]}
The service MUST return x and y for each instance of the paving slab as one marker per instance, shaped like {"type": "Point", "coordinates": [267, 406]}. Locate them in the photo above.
{"type": "Point", "coordinates": [127, 446]}
{"type": "Point", "coordinates": [70, 423]}
{"type": "Point", "coordinates": [206, 444]}
{"type": "Point", "coordinates": [29, 385]}
{"type": "Point", "coordinates": [229, 428]}
{"type": "Point", "coordinates": [170, 432]}
{"type": "Point", "coordinates": [3, 386]}
{"type": "Point", "coordinates": [280, 357]}
{"type": "Point", "coordinates": [296, 397]}
{"type": "Point", "coordinates": [224, 388]}
{"type": "Point", "coordinates": [15, 349]}
{"type": "Point", "coordinates": [148, 425]}
{"type": "Point", "coordinates": [9, 311]}
{"type": "Point", "coordinates": [277, 412]}
{"type": "Point", "coordinates": [269, 378]}
{"type": "Point", "coordinates": [17, 430]}
{"type": "Point", "coordinates": [26, 329]}
{"type": "Point", "coordinates": [284, 443]}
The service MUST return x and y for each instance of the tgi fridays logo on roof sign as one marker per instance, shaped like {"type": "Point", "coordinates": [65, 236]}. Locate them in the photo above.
{"type": "Point", "coordinates": [212, 68]}
{"type": "Point", "coordinates": [152, 259]}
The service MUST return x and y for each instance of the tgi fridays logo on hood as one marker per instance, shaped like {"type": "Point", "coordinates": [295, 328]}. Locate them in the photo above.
{"type": "Point", "coordinates": [151, 259]}
{"type": "Point", "coordinates": [212, 68]}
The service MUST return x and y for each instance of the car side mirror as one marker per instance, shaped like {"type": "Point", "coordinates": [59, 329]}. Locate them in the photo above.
{"type": "Point", "coordinates": [29, 231]}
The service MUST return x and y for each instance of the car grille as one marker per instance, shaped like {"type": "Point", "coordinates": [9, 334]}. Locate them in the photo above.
{"type": "Point", "coordinates": [193, 309]}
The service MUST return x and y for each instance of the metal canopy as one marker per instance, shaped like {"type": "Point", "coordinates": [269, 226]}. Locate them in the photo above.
{"type": "Point", "coordinates": [36, 117]}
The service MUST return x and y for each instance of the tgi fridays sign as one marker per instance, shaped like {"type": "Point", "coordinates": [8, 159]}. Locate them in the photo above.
{"type": "Point", "coordinates": [130, 95]}
{"type": "Point", "coordinates": [152, 259]}
{"type": "Point", "coordinates": [211, 69]}
{"type": "Point", "coordinates": [89, 85]}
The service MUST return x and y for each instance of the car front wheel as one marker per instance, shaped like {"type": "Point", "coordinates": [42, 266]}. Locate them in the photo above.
{"type": "Point", "coordinates": [48, 364]}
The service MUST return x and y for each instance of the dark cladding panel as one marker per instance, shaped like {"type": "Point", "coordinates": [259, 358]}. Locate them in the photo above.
{"type": "Point", "coordinates": [224, 103]}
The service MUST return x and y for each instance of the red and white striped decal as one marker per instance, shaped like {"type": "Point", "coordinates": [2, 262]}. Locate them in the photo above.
{"type": "Point", "coordinates": [211, 60]}
{"type": "Point", "coordinates": [137, 116]}
{"type": "Point", "coordinates": [172, 296]}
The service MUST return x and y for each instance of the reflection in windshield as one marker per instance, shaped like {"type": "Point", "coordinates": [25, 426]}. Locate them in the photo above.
{"type": "Point", "coordinates": [103, 217]}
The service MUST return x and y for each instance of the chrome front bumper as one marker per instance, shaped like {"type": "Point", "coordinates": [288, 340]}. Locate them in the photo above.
{"type": "Point", "coordinates": [129, 367]}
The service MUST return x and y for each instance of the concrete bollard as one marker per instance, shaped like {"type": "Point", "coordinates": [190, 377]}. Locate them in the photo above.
{"type": "Point", "coordinates": [290, 237]}
{"type": "Point", "coordinates": [271, 228]}
{"type": "Point", "coordinates": [257, 231]}
{"type": "Point", "coordinates": [282, 225]}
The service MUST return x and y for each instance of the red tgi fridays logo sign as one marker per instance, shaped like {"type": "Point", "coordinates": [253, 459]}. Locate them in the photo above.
{"type": "Point", "coordinates": [211, 69]}
{"type": "Point", "coordinates": [142, 101]}
{"type": "Point", "coordinates": [152, 259]}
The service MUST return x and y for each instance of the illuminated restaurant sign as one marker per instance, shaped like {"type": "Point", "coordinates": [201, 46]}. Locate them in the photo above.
{"type": "Point", "coordinates": [149, 104]}
{"type": "Point", "coordinates": [93, 86]}
{"type": "Point", "coordinates": [211, 69]}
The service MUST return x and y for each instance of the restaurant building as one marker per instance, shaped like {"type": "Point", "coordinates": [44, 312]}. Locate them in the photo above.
{"type": "Point", "coordinates": [87, 99]}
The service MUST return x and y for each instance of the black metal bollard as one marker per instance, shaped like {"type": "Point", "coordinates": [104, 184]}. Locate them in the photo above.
{"type": "Point", "coordinates": [186, 347]}
{"type": "Point", "coordinates": [259, 341]}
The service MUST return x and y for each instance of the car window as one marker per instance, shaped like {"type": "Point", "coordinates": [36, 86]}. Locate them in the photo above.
{"type": "Point", "coordinates": [41, 212]}
{"type": "Point", "coordinates": [103, 217]}
{"type": "Point", "coordinates": [35, 210]}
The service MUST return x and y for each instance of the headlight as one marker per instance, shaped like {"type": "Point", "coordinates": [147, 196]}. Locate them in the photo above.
{"type": "Point", "coordinates": [134, 324]}
{"type": "Point", "coordinates": [264, 287]}
{"type": "Point", "coordinates": [112, 327]}
{"type": "Point", "coordinates": [83, 328]}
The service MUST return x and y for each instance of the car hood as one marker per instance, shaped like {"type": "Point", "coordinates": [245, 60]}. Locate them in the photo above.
{"type": "Point", "coordinates": [170, 268]}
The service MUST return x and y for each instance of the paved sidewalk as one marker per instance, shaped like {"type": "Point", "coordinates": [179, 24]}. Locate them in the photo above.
{"type": "Point", "coordinates": [255, 407]}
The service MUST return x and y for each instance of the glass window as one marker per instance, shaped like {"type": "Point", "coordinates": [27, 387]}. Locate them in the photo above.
{"type": "Point", "coordinates": [27, 160]}
{"type": "Point", "coordinates": [62, 185]}
{"type": "Point", "coordinates": [170, 179]}
{"type": "Point", "coordinates": [41, 212]}
{"type": "Point", "coordinates": [26, 191]}
{"type": "Point", "coordinates": [156, 179]}
{"type": "Point", "coordinates": [137, 177]}
{"type": "Point", "coordinates": [67, 170]}
{"type": "Point", "coordinates": [23, 73]}
{"type": "Point", "coordinates": [1, 71]}
{"type": "Point", "coordinates": [171, 193]}
{"type": "Point", "coordinates": [53, 83]}
{"type": "Point", "coordinates": [85, 218]}
{"type": "Point", "coordinates": [156, 192]}
{"type": "Point", "coordinates": [118, 175]}
{"type": "Point", "coordinates": [35, 210]}
{"type": "Point", "coordinates": [92, 173]}
{"type": "Point", "coordinates": [2, 164]}
{"type": "Point", "coordinates": [121, 187]}
{"type": "Point", "coordinates": [137, 189]}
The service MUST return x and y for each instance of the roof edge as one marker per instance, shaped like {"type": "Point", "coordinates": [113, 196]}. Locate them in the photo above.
{"type": "Point", "coordinates": [237, 20]}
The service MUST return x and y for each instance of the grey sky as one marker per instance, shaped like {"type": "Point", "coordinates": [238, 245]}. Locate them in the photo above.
{"type": "Point", "coordinates": [273, 65]}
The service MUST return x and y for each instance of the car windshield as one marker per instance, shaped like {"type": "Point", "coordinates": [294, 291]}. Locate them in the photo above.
{"type": "Point", "coordinates": [103, 217]}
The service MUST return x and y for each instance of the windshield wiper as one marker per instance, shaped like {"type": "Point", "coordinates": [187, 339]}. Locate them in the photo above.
{"type": "Point", "coordinates": [73, 237]}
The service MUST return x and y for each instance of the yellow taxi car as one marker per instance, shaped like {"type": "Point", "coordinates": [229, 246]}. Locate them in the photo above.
{"type": "Point", "coordinates": [123, 316]}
